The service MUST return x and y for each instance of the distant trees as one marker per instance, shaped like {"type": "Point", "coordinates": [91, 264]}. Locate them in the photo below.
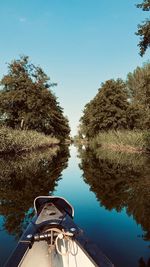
{"type": "Point", "coordinates": [27, 102]}
{"type": "Point", "coordinates": [144, 29]}
{"type": "Point", "coordinates": [119, 105]}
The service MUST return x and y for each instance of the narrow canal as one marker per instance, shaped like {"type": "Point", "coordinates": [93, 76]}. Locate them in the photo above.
{"type": "Point", "coordinates": [111, 198]}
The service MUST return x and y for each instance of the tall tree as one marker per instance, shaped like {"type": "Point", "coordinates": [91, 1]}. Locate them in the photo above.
{"type": "Point", "coordinates": [144, 29]}
{"type": "Point", "coordinates": [107, 110]}
{"type": "Point", "coordinates": [26, 100]}
{"type": "Point", "coordinates": [138, 84]}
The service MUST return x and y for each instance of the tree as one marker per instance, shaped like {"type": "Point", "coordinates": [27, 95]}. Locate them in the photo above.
{"type": "Point", "coordinates": [107, 110]}
{"type": "Point", "coordinates": [26, 100]}
{"type": "Point", "coordinates": [138, 84]}
{"type": "Point", "coordinates": [144, 29]}
{"type": "Point", "coordinates": [135, 116]}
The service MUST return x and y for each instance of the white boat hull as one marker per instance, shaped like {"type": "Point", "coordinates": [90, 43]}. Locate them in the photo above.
{"type": "Point", "coordinates": [42, 256]}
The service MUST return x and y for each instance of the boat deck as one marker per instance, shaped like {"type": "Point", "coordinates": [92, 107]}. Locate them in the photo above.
{"type": "Point", "coordinates": [41, 256]}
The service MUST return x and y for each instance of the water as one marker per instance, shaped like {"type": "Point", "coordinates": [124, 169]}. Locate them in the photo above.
{"type": "Point", "coordinates": [110, 194]}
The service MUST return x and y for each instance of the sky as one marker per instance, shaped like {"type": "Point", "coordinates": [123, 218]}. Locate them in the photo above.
{"type": "Point", "coordinates": [78, 43]}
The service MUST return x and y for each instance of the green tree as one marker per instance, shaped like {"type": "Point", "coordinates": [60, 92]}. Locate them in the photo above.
{"type": "Point", "coordinates": [26, 100]}
{"type": "Point", "coordinates": [134, 116]}
{"type": "Point", "coordinates": [144, 29]}
{"type": "Point", "coordinates": [107, 110]}
{"type": "Point", "coordinates": [138, 84]}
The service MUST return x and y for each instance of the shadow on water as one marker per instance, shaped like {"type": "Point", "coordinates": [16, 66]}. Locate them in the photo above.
{"type": "Point", "coordinates": [24, 178]}
{"type": "Point", "coordinates": [120, 181]}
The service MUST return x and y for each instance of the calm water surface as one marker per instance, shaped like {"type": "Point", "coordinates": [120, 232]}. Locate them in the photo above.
{"type": "Point", "coordinates": [110, 194]}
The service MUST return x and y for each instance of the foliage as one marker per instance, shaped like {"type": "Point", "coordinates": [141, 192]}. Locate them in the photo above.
{"type": "Point", "coordinates": [119, 105]}
{"type": "Point", "coordinates": [138, 84]}
{"type": "Point", "coordinates": [27, 102]}
{"type": "Point", "coordinates": [144, 29]}
{"type": "Point", "coordinates": [147, 140]}
{"type": "Point", "coordinates": [135, 116]}
{"type": "Point", "coordinates": [16, 141]}
{"type": "Point", "coordinates": [107, 110]}
{"type": "Point", "coordinates": [145, 5]}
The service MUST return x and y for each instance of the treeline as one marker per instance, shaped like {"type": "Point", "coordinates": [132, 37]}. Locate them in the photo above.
{"type": "Point", "coordinates": [119, 105]}
{"type": "Point", "coordinates": [27, 101]}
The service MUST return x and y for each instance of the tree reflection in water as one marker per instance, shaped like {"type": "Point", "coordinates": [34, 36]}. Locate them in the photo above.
{"type": "Point", "coordinates": [25, 178]}
{"type": "Point", "coordinates": [119, 181]}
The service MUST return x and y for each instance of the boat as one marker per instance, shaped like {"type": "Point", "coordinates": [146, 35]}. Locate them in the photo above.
{"type": "Point", "coordinates": [52, 239]}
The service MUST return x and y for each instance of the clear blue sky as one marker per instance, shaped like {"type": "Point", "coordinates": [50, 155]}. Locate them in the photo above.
{"type": "Point", "coordinates": [78, 43]}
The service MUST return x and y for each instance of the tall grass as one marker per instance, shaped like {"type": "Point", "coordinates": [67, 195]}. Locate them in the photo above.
{"type": "Point", "coordinates": [121, 158]}
{"type": "Point", "coordinates": [129, 141]}
{"type": "Point", "coordinates": [17, 141]}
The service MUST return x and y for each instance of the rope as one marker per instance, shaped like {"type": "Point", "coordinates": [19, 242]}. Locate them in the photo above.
{"type": "Point", "coordinates": [62, 235]}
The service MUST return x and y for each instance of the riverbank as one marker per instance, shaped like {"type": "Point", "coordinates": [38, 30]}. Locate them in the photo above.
{"type": "Point", "coordinates": [123, 141]}
{"type": "Point", "coordinates": [18, 141]}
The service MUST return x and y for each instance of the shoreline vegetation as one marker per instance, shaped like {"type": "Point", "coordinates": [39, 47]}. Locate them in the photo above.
{"type": "Point", "coordinates": [31, 118]}
{"type": "Point", "coordinates": [27, 102]}
{"type": "Point", "coordinates": [119, 141]}
{"type": "Point", "coordinates": [118, 117]}
{"type": "Point", "coordinates": [123, 141]}
{"type": "Point", "coordinates": [14, 141]}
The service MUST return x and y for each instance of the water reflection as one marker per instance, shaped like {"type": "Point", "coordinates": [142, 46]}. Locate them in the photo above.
{"type": "Point", "coordinates": [119, 181]}
{"type": "Point", "coordinates": [142, 263]}
{"type": "Point", "coordinates": [25, 178]}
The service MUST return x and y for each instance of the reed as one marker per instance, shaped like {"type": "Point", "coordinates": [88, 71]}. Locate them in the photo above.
{"type": "Point", "coordinates": [128, 141]}
{"type": "Point", "coordinates": [17, 141]}
{"type": "Point", "coordinates": [121, 158]}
